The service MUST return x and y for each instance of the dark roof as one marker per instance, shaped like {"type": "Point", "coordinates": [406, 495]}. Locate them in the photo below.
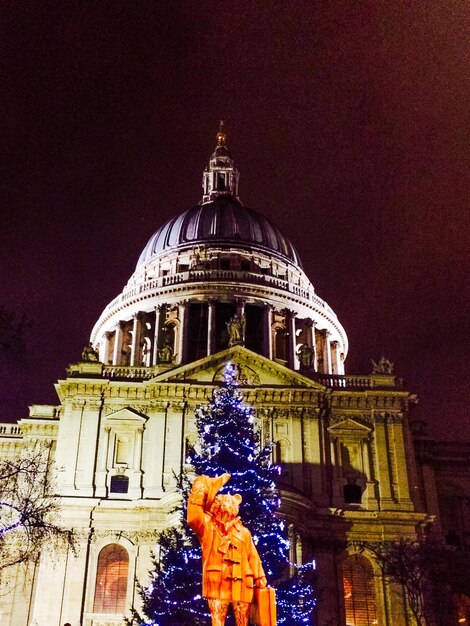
{"type": "Point", "coordinates": [223, 221]}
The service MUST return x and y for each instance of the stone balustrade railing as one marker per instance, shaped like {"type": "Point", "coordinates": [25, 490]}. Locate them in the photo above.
{"type": "Point", "coordinates": [127, 371]}
{"type": "Point", "coordinates": [373, 381]}
{"type": "Point", "coordinates": [10, 430]}
{"type": "Point", "coordinates": [195, 276]}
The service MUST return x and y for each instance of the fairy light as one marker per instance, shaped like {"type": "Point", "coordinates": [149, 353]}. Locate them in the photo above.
{"type": "Point", "coordinates": [228, 442]}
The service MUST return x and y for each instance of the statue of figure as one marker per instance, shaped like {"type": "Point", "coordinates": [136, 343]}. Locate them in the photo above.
{"type": "Point", "coordinates": [145, 353]}
{"type": "Point", "coordinates": [126, 355]}
{"type": "Point", "coordinates": [165, 354]}
{"type": "Point", "coordinates": [89, 353]}
{"type": "Point", "coordinates": [384, 366]}
{"type": "Point", "coordinates": [236, 330]}
{"type": "Point", "coordinates": [306, 355]}
{"type": "Point", "coordinates": [230, 562]}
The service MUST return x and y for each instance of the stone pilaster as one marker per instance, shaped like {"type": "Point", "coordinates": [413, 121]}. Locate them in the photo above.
{"type": "Point", "coordinates": [102, 462]}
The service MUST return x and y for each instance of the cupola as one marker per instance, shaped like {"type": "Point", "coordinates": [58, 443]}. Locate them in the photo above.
{"type": "Point", "coordinates": [220, 177]}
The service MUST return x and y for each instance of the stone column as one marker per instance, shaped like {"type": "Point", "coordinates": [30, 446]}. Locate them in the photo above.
{"type": "Point", "coordinates": [104, 347]}
{"type": "Point", "coordinates": [210, 326]}
{"type": "Point", "coordinates": [183, 331]}
{"type": "Point", "coordinates": [310, 338]}
{"type": "Point", "coordinates": [156, 333]}
{"type": "Point", "coordinates": [118, 343]}
{"type": "Point", "coordinates": [327, 352]}
{"type": "Point", "coordinates": [267, 331]}
{"type": "Point", "coordinates": [136, 333]}
{"type": "Point", "coordinates": [291, 342]}
{"type": "Point", "coordinates": [334, 357]}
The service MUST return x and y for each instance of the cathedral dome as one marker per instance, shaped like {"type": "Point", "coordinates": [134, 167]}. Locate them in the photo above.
{"type": "Point", "coordinates": [225, 222]}
{"type": "Point", "coordinates": [217, 275]}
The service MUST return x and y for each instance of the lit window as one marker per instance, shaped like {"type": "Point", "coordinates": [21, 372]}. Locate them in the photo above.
{"type": "Point", "coordinates": [111, 580]}
{"type": "Point", "coordinates": [359, 593]}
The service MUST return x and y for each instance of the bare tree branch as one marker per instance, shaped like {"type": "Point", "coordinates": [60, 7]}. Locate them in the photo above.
{"type": "Point", "coordinates": [29, 509]}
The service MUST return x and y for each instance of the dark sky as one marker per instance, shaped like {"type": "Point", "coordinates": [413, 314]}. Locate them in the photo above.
{"type": "Point", "coordinates": [349, 122]}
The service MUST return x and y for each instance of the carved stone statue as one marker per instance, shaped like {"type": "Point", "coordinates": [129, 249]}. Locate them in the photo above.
{"type": "Point", "coordinates": [165, 354]}
{"type": "Point", "coordinates": [236, 330]}
{"type": "Point", "coordinates": [384, 366]}
{"type": "Point", "coordinates": [306, 355]}
{"type": "Point", "coordinates": [230, 561]}
{"type": "Point", "coordinates": [89, 353]}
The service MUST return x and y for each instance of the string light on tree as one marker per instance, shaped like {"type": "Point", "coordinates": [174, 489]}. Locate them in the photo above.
{"type": "Point", "coordinates": [228, 443]}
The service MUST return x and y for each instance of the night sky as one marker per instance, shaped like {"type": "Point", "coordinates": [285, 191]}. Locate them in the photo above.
{"type": "Point", "coordinates": [349, 122]}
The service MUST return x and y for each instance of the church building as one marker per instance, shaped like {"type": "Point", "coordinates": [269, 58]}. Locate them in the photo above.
{"type": "Point", "coordinates": [219, 283]}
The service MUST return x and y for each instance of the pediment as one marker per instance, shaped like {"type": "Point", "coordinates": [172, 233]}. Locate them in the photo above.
{"type": "Point", "coordinates": [349, 428]}
{"type": "Point", "coordinates": [252, 370]}
{"type": "Point", "coordinates": [127, 415]}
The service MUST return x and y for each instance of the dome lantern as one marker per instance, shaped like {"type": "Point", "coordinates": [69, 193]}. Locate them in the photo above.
{"type": "Point", "coordinates": [220, 177]}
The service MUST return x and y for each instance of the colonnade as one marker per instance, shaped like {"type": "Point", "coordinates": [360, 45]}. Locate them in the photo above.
{"type": "Point", "coordinates": [157, 337]}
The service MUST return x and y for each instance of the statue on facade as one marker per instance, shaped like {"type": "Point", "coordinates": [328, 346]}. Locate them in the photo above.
{"type": "Point", "coordinates": [126, 355]}
{"type": "Point", "coordinates": [145, 353]}
{"type": "Point", "coordinates": [165, 354]}
{"type": "Point", "coordinates": [89, 353]}
{"type": "Point", "coordinates": [384, 366]}
{"type": "Point", "coordinates": [236, 330]}
{"type": "Point", "coordinates": [306, 356]}
{"type": "Point", "coordinates": [230, 561]}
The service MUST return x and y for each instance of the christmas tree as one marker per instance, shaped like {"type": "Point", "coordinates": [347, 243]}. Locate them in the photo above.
{"type": "Point", "coordinates": [228, 442]}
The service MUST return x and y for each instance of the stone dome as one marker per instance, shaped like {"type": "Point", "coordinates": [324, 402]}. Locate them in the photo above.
{"type": "Point", "coordinates": [217, 275]}
{"type": "Point", "coordinates": [224, 222]}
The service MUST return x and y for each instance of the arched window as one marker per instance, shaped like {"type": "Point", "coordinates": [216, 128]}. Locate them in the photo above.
{"type": "Point", "coordinates": [359, 591]}
{"type": "Point", "coordinates": [111, 580]}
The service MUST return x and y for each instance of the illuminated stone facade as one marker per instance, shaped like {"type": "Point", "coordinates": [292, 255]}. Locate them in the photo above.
{"type": "Point", "coordinates": [218, 283]}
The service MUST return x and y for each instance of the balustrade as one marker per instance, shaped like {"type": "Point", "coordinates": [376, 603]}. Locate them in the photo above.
{"type": "Point", "coordinates": [10, 430]}
{"type": "Point", "coordinates": [351, 382]}
{"type": "Point", "coordinates": [215, 275]}
{"type": "Point", "coordinates": [123, 371]}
